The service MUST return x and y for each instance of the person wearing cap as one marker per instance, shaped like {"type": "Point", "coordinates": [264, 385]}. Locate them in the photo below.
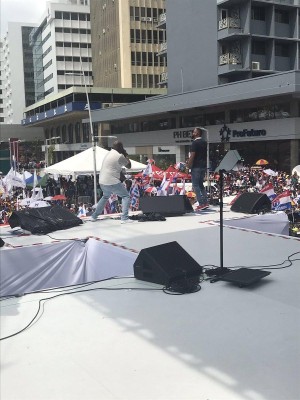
{"type": "Point", "coordinates": [197, 164]}
{"type": "Point", "coordinates": [110, 181]}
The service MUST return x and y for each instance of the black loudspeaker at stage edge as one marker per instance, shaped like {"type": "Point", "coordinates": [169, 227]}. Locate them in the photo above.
{"type": "Point", "coordinates": [166, 264]}
{"type": "Point", "coordinates": [44, 219]}
{"type": "Point", "coordinates": [252, 203]}
{"type": "Point", "coordinates": [168, 206]}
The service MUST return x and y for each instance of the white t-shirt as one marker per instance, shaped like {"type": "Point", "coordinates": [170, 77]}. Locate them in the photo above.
{"type": "Point", "coordinates": [111, 168]}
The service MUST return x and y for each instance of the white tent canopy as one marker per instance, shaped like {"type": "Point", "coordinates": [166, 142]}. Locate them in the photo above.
{"type": "Point", "coordinates": [83, 163]}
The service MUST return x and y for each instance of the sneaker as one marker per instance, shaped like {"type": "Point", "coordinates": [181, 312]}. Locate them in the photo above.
{"type": "Point", "coordinates": [127, 221]}
{"type": "Point", "coordinates": [202, 207]}
{"type": "Point", "coordinates": [93, 219]}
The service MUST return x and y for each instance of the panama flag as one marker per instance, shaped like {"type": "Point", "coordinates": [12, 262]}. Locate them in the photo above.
{"type": "Point", "coordinates": [182, 191]}
{"type": "Point", "coordinates": [135, 196]}
{"type": "Point", "coordinates": [282, 201]}
{"type": "Point", "coordinates": [81, 211]}
{"type": "Point", "coordinates": [148, 170]}
{"type": "Point", "coordinates": [269, 191]}
{"type": "Point", "coordinates": [164, 186]}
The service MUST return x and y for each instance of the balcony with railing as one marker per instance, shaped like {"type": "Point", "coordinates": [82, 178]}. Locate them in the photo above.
{"type": "Point", "coordinates": [162, 20]}
{"type": "Point", "coordinates": [229, 62]}
{"type": "Point", "coordinates": [162, 49]}
{"type": "Point", "coordinates": [163, 79]}
{"type": "Point", "coordinates": [230, 22]}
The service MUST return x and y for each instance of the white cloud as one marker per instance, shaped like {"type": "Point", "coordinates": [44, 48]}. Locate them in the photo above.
{"type": "Point", "coordinates": [29, 11]}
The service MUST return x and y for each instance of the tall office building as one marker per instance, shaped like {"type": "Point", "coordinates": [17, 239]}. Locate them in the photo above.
{"type": "Point", "coordinates": [61, 47]}
{"type": "Point", "coordinates": [1, 84]}
{"type": "Point", "coordinates": [16, 72]}
{"type": "Point", "coordinates": [126, 41]}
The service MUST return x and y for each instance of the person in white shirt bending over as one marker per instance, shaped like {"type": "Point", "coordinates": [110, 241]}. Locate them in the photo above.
{"type": "Point", "coordinates": [110, 181]}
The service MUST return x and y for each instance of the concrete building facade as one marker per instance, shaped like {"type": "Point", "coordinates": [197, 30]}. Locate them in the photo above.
{"type": "Point", "coordinates": [16, 72]}
{"type": "Point", "coordinates": [234, 78]}
{"type": "Point", "coordinates": [126, 41]}
{"type": "Point", "coordinates": [62, 48]}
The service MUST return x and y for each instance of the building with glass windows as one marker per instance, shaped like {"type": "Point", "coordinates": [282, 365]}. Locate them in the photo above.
{"type": "Point", "coordinates": [17, 78]}
{"type": "Point", "coordinates": [61, 47]}
{"type": "Point", "coordinates": [233, 67]}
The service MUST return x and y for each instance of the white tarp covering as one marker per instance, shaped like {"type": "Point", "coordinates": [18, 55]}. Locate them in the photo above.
{"type": "Point", "coordinates": [34, 268]}
{"type": "Point", "coordinates": [83, 163]}
{"type": "Point", "coordinates": [277, 223]}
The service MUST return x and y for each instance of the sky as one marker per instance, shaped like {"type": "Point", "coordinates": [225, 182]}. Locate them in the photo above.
{"type": "Point", "coordinates": [30, 11]}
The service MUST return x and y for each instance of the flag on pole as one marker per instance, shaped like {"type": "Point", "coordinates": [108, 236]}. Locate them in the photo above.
{"type": "Point", "coordinates": [182, 191]}
{"type": "Point", "coordinates": [135, 196]}
{"type": "Point", "coordinates": [282, 201]}
{"type": "Point", "coordinates": [81, 211]}
{"type": "Point", "coordinates": [35, 179]}
{"type": "Point", "coordinates": [269, 191]}
{"type": "Point", "coordinates": [148, 170]}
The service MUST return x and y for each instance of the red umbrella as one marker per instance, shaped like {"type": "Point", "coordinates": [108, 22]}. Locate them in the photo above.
{"type": "Point", "coordinates": [59, 197]}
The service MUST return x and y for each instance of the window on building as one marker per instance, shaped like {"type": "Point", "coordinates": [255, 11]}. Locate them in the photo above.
{"type": "Point", "coordinates": [258, 47]}
{"type": "Point", "coordinates": [70, 133]}
{"type": "Point", "coordinates": [145, 80]}
{"type": "Point", "coordinates": [77, 133]}
{"type": "Point", "coordinates": [58, 15]}
{"type": "Point", "coordinates": [66, 15]}
{"type": "Point", "coordinates": [144, 59]}
{"type": "Point", "coordinates": [149, 36]}
{"type": "Point", "coordinates": [282, 16]}
{"type": "Point", "coordinates": [258, 13]}
{"type": "Point", "coordinates": [282, 50]}
{"type": "Point", "coordinates": [85, 133]}
{"type": "Point", "coordinates": [139, 79]}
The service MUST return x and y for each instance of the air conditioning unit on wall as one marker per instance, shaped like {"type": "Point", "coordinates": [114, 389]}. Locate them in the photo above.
{"type": "Point", "coordinates": [255, 65]}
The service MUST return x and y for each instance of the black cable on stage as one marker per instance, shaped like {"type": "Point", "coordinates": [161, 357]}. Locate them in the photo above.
{"type": "Point", "coordinates": [270, 266]}
{"type": "Point", "coordinates": [42, 301]}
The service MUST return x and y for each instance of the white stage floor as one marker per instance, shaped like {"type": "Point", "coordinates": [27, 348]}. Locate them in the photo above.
{"type": "Point", "coordinates": [135, 343]}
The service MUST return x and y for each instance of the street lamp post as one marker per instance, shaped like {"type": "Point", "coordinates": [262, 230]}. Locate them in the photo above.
{"type": "Point", "coordinates": [91, 128]}
{"type": "Point", "coordinates": [46, 148]}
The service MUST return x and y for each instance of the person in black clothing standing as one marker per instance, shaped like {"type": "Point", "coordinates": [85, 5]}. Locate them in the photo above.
{"type": "Point", "coordinates": [197, 165]}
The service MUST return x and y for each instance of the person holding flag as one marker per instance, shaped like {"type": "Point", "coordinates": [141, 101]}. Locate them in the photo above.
{"type": "Point", "coordinates": [282, 201]}
{"type": "Point", "coordinates": [110, 183]}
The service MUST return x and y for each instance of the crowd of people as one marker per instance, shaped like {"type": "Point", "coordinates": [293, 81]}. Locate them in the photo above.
{"type": "Point", "coordinates": [245, 180]}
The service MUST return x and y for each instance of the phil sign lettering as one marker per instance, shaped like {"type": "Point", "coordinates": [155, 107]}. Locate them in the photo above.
{"type": "Point", "coordinates": [183, 136]}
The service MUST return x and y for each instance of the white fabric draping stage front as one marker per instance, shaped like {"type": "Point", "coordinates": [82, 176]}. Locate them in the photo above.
{"type": "Point", "coordinates": [277, 223]}
{"type": "Point", "coordinates": [35, 268]}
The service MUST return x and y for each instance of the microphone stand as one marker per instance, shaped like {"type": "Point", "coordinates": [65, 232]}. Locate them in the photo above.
{"type": "Point", "coordinates": [221, 173]}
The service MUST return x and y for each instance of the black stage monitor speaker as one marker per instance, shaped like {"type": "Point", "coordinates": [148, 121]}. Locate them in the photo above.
{"type": "Point", "coordinates": [244, 276]}
{"type": "Point", "coordinates": [166, 264]}
{"type": "Point", "coordinates": [252, 203]}
{"type": "Point", "coordinates": [168, 206]}
{"type": "Point", "coordinates": [44, 219]}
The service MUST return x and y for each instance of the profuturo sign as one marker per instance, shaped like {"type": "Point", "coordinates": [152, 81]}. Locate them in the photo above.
{"type": "Point", "coordinates": [226, 133]}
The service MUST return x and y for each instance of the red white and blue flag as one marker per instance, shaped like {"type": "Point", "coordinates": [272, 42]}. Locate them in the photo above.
{"type": "Point", "coordinates": [135, 196]}
{"type": "Point", "coordinates": [148, 170]}
{"type": "Point", "coordinates": [269, 191]}
{"type": "Point", "coordinates": [282, 201]}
